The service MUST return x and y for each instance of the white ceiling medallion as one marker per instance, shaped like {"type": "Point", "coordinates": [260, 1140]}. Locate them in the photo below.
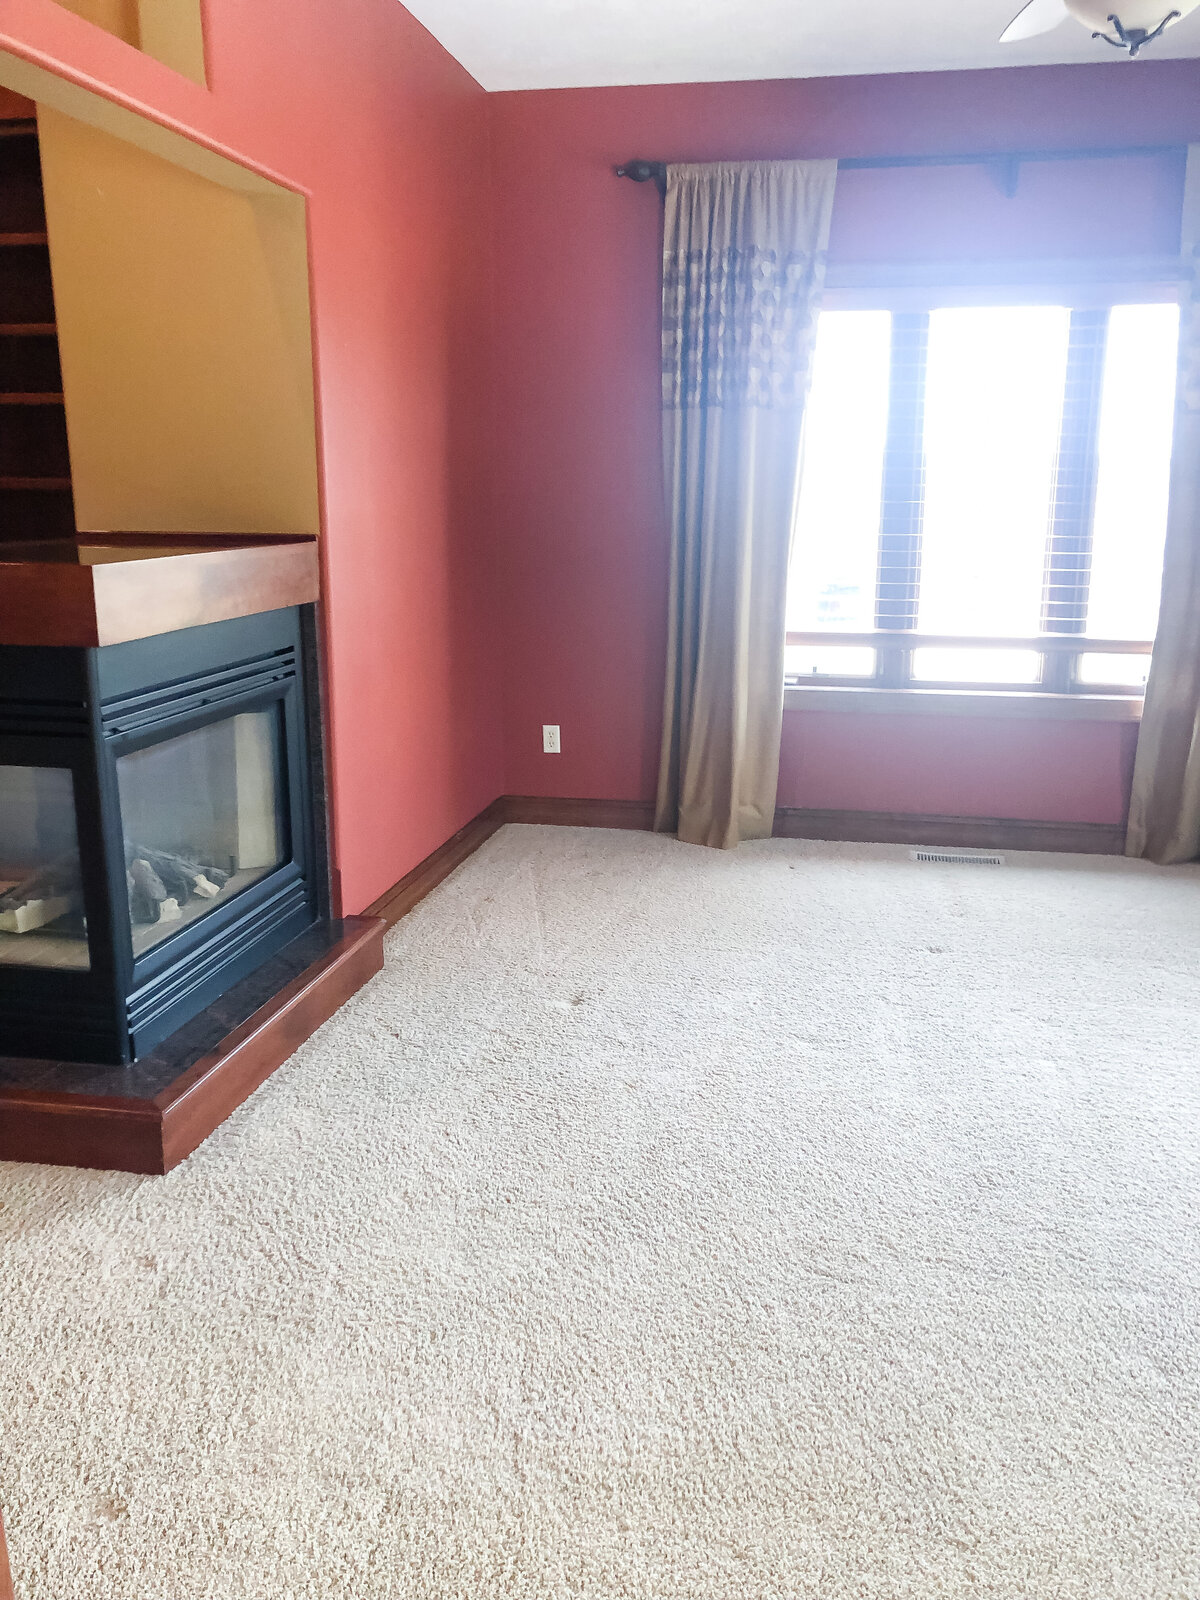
{"type": "Point", "coordinates": [1132, 27]}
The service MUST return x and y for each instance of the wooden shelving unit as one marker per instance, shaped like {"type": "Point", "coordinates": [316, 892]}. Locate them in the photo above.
{"type": "Point", "coordinates": [36, 500]}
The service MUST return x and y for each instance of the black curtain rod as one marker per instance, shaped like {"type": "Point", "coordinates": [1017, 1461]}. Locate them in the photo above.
{"type": "Point", "coordinates": [1007, 164]}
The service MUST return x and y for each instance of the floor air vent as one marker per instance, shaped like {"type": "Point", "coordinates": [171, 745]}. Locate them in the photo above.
{"type": "Point", "coordinates": [958, 858]}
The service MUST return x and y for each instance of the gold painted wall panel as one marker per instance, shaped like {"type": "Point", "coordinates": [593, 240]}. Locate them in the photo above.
{"type": "Point", "coordinates": [171, 32]}
{"type": "Point", "coordinates": [114, 16]}
{"type": "Point", "coordinates": [183, 318]}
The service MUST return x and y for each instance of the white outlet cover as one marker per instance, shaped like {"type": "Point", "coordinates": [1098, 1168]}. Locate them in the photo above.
{"type": "Point", "coordinates": [551, 742]}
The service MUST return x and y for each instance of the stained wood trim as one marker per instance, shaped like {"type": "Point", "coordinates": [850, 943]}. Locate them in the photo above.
{"type": "Point", "coordinates": [867, 827]}
{"type": "Point", "coordinates": [48, 597]}
{"type": "Point", "coordinates": [637, 815]}
{"type": "Point", "coordinates": [152, 1136]}
{"type": "Point", "coordinates": [983, 833]}
{"type": "Point", "coordinates": [6, 1583]}
{"type": "Point", "coordinates": [64, 1130]}
{"type": "Point", "coordinates": [397, 901]}
{"type": "Point", "coordinates": [212, 1090]}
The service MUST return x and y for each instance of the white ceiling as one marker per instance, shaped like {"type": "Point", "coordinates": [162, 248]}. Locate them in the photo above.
{"type": "Point", "coordinates": [559, 44]}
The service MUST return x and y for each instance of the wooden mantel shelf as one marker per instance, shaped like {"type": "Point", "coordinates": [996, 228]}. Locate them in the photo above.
{"type": "Point", "coordinates": [108, 588]}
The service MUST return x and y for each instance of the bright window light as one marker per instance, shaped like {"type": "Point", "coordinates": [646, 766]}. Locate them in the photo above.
{"type": "Point", "coordinates": [985, 531]}
{"type": "Point", "coordinates": [993, 411]}
{"type": "Point", "coordinates": [835, 545]}
{"type": "Point", "coordinates": [933, 665]}
{"type": "Point", "coordinates": [1136, 422]}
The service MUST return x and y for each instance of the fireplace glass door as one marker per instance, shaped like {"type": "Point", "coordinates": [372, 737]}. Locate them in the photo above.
{"type": "Point", "coordinates": [203, 818]}
{"type": "Point", "coordinates": [41, 897]}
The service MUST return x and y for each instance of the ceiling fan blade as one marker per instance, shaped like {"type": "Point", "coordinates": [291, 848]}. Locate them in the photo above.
{"type": "Point", "coordinates": [1039, 16]}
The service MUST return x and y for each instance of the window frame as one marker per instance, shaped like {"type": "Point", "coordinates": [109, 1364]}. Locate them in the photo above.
{"type": "Point", "coordinates": [910, 292]}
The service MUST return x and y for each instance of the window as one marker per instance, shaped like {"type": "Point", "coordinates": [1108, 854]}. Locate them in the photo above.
{"type": "Point", "coordinates": [983, 498]}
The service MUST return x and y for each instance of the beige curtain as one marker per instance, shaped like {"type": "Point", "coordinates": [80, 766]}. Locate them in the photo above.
{"type": "Point", "coordinates": [743, 263]}
{"type": "Point", "coordinates": [1164, 810]}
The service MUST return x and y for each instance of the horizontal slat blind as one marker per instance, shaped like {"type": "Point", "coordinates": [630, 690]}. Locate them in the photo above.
{"type": "Point", "coordinates": [903, 475]}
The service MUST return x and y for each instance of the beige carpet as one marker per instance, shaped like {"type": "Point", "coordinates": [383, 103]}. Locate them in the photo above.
{"type": "Point", "coordinates": [796, 1224]}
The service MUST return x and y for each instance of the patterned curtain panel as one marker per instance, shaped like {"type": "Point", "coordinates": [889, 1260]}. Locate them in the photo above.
{"type": "Point", "coordinates": [743, 263]}
{"type": "Point", "coordinates": [1164, 810]}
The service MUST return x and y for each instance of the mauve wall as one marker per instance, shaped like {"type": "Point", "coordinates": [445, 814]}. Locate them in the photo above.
{"type": "Point", "coordinates": [578, 520]}
{"type": "Point", "coordinates": [354, 102]}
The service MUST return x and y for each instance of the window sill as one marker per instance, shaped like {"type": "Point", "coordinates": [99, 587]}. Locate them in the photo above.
{"type": "Point", "coordinates": [964, 703]}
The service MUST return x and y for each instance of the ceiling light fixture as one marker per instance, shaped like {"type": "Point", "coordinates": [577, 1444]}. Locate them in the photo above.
{"type": "Point", "coordinates": [1131, 29]}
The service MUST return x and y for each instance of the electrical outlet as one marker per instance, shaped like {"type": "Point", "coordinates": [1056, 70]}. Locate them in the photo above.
{"type": "Point", "coordinates": [551, 743]}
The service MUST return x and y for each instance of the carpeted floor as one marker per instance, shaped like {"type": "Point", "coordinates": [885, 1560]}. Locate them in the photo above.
{"type": "Point", "coordinates": [795, 1224]}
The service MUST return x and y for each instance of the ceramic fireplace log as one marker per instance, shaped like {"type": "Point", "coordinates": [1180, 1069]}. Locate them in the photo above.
{"type": "Point", "coordinates": [55, 878]}
{"type": "Point", "coordinates": [41, 898]}
{"type": "Point", "coordinates": [161, 883]}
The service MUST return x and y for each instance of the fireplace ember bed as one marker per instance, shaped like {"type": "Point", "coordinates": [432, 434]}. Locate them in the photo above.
{"type": "Point", "coordinates": [163, 877]}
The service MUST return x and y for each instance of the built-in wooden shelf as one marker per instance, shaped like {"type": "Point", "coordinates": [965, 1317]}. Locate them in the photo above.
{"type": "Point", "coordinates": [23, 238]}
{"type": "Point", "coordinates": [27, 330]}
{"type": "Point", "coordinates": [108, 588]}
{"type": "Point", "coordinates": [31, 399]}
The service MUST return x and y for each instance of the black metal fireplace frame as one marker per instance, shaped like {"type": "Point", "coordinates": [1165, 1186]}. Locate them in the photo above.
{"type": "Point", "coordinates": [82, 709]}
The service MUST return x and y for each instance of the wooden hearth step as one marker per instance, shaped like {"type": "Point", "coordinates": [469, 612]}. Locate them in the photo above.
{"type": "Point", "coordinates": [148, 1117]}
{"type": "Point", "coordinates": [27, 330]}
{"type": "Point", "coordinates": [16, 399]}
{"type": "Point", "coordinates": [23, 238]}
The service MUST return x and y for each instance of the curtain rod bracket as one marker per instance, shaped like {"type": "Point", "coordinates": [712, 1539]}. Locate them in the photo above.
{"type": "Point", "coordinates": [644, 172]}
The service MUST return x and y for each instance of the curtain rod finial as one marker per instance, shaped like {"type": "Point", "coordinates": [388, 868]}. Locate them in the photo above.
{"type": "Point", "coordinates": [644, 171]}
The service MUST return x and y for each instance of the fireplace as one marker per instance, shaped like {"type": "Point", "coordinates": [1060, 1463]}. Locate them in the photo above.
{"type": "Point", "coordinates": [166, 934]}
{"type": "Point", "coordinates": [156, 830]}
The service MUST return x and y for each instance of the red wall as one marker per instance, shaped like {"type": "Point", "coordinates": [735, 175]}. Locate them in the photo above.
{"type": "Point", "coordinates": [354, 102]}
{"type": "Point", "coordinates": [578, 513]}
{"type": "Point", "coordinates": [473, 594]}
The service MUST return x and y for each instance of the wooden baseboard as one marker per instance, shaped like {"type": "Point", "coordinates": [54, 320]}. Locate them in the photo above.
{"type": "Point", "coordinates": [636, 815]}
{"type": "Point", "coordinates": [979, 833]}
{"type": "Point", "coordinates": [866, 827]}
{"type": "Point", "coordinates": [397, 901]}
{"type": "Point", "coordinates": [213, 1089]}
{"type": "Point", "coordinates": [6, 1584]}
{"type": "Point", "coordinates": [148, 1117]}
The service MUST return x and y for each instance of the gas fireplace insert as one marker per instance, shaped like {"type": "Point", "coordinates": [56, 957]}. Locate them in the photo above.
{"type": "Point", "coordinates": [157, 835]}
